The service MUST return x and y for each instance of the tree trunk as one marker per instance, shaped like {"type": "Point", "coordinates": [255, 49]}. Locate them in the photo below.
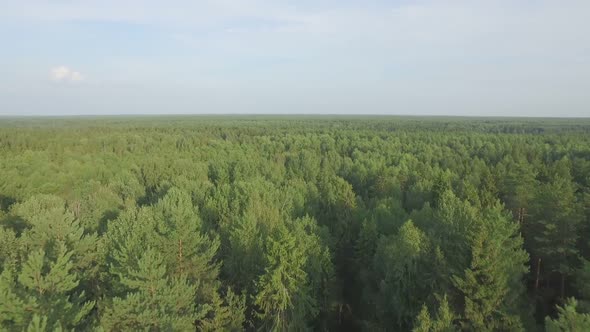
{"type": "Point", "coordinates": [562, 285]}
{"type": "Point", "coordinates": [538, 273]}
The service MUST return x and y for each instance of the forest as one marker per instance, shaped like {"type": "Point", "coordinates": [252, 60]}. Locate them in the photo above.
{"type": "Point", "coordinates": [294, 223]}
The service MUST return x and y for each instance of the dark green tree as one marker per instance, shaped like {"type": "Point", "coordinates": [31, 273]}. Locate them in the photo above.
{"type": "Point", "coordinates": [399, 263]}
{"type": "Point", "coordinates": [491, 286]}
{"type": "Point", "coordinates": [555, 230]}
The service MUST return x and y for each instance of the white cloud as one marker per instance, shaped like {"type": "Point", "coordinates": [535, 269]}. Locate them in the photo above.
{"type": "Point", "coordinates": [65, 74]}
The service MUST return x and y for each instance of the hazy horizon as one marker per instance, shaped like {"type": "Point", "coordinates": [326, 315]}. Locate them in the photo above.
{"type": "Point", "coordinates": [407, 58]}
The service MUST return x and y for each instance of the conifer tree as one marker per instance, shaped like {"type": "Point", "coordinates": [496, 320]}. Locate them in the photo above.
{"type": "Point", "coordinates": [583, 285]}
{"type": "Point", "coordinates": [442, 322]}
{"type": "Point", "coordinates": [172, 228]}
{"type": "Point", "coordinates": [181, 241]}
{"type": "Point", "coordinates": [491, 286]}
{"type": "Point", "coordinates": [365, 248]}
{"type": "Point", "coordinates": [451, 228]}
{"type": "Point", "coordinates": [569, 319]}
{"type": "Point", "coordinates": [10, 249]}
{"type": "Point", "coordinates": [557, 220]}
{"type": "Point", "coordinates": [153, 300]}
{"type": "Point", "coordinates": [283, 295]}
{"type": "Point", "coordinates": [518, 188]}
{"type": "Point", "coordinates": [399, 263]}
{"type": "Point", "coordinates": [226, 313]}
{"type": "Point", "coordinates": [43, 292]}
{"type": "Point", "coordinates": [49, 225]}
{"type": "Point", "coordinates": [245, 259]}
{"type": "Point", "coordinates": [423, 321]}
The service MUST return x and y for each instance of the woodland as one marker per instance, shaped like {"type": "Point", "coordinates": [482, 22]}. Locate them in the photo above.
{"type": "Point", "coordinates": [294, 223]}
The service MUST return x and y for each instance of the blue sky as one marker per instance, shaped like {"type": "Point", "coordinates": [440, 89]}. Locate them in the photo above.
{"type": "Point", "coordinates": [521, 58]}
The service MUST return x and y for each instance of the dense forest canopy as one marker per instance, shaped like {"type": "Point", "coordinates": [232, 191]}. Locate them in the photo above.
{"type": "Point", "coordinates": [291, 223]}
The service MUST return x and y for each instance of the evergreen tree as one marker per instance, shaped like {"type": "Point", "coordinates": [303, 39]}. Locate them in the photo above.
{"type": "Point", "coordinates": [226, 314]}
{"type": "Point", "coordinates": [283, 294]}
{"type": "Point", "coordinates": [50, 225]}
{"type": "Point", "coordinates": [10, 249]}
{"type": "Point", "coordinates": [172, 228]}
{"type": "Point", "coordinates": [443, 322]}
{"type": "Point", "coordinates": [492, 284]}
{"type": "Point", "coordinates": [198, 224]}
{"type": "Point", "coordinates": [152, 299]}
{"type": "Point", "coordinates": [583, 285]}
{"type": "Point", "coordinates": [400, 263]}
{"type": "Point", "coordinates": [556, 229]}
{"type": "Point", "coordinates": [43, 292]}
{"type": "Point", "coordinates": [245, 260]}
{"type": "Point", "coordinates": [569, 319]}
{"type": "Point", "coordinates": [365, 248]}
{"type": "Point", "coordinates": [519, 184]}
{"type": "Point", "coordinates": [179, 237]}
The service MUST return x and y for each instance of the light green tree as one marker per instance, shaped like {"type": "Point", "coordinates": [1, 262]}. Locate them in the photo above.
{"type": "Point", "coordinates": [282, 292]}
{"type": "Point", "coordinates": [442, 322]}
{"type": "Point", "coordinates": [43, 291]}
{"type": "Point", "coordinates": [153, 300]}
{"type": "Point", "coordinates": [568, 319]}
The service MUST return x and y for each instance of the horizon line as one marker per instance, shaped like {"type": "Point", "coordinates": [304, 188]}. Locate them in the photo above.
{"type": "Point", "coordinates": [288, 114]}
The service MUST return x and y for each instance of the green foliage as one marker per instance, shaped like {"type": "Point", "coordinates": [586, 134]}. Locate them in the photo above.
{"type": "Point", "coordinates": [283, 293]}
{"type": "Point", "coordinates": [185, 248]}
{"type": "Point", "coordinates": [583, 285]}
{"type": "Point", "coordinates": [443, 321]}
{"type": "Point", "coordinates": [225, 315]}
{"type": "Point", "coordinates": [400, 263]}
{"type": "Point", "coordinates": [557, 215]}
{"type": "Point", "coordinates": [153, 300]}
{"type": "Point", "coordinates": [42, 294]}
{"type": "Point", "coordinates": [569, 319]}
{"type": "Point", "coordinates": [492, 285]}
{"type": "Point", "coordinates": [293, 223]}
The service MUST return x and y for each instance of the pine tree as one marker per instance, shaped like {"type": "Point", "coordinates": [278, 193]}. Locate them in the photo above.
{"type": "Point", "coordinates": [400, 262]}
{"type": "Point", "coordinates": [10, 249]}
{"type": "Point", "coordinates": [51, 225]}
{"type": "Point", "coordinates": [318, 267]}
{"type": "Point", "coordinates": [451, 228]}
{"type": "Point", "coordinates": [583, 285]}
{"type": "Point", "coordinates": [153, 300]}
{"type": "Point", "coordinates": [556, 227]}
{"type": "Point", "coordinates": [172, 228]}
{"type": "Point", "coordinates": [492, 284]}
{"type": "Point", "coordinates": [43, 288]}
{"type": "Point", "coordinates": [366, 244]}
{"type": "Point", "coordinates": [365, 248]}
{"type": "Point", "coordinates": [184, 246]}
{"type": "Point", "coordinates": [245, 259]}
{"type": "Point", "coordinates": [569, 319]}
{"type": "Point", "coordinates": [518, 189]}
{"type": "Point", "coordinates": [283, 295]}
{"type": "Point", "coordinates": [443, 321]}
{"type": "Point", "coordinates": [226, 314]}
{"type": "Point", "coordinates": [423, 321]}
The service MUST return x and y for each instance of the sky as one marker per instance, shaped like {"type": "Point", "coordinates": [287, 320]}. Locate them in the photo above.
{"type": "Point", "coordinates": [439, 57]}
